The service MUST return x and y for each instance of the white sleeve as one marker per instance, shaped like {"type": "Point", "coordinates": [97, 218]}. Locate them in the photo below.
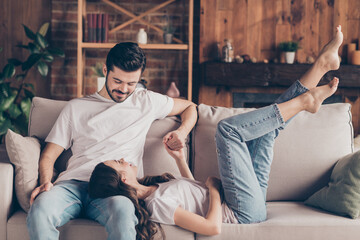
{"type": "Point", "coordinates": [161, 104]}
{"type": "Point", "coordinates": [163, 210]}
{"type": "Point", "coordinates": [60, 134]}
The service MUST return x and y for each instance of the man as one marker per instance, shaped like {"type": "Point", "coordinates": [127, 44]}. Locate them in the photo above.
{"type": "Point", "coordinates": [110, 124]}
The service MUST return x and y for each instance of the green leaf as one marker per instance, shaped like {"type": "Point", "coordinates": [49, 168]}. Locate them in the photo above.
{"type": "Point", "coordinates": [20, 77]}
{"type": "Point", "coordinates": [14, 111]}
{"type": "Point", "coordinates": [5, 103]}
{"type": "Point", "coordinates": [14, 61]}
{"type": "Point", "coordinates": [32, 59]}
{"type": "Point", "coordinates": [25, 106]}
{"type": "Point", "coordinates": [34, 48]}
{"type": "Point", "coordinates": [9, 70]}
{"type": "Point", "coordinates": [30, 85]}
{"type": "Point", "coordinates": [5, 90]}
{"type": "Point", "coordinates": [30, 34]}
{"type": "Point", "coordinates": [48, 57]}
{"type": "Point", "coordinates": [5, 124]}
{"type": "Point", "coordinates": [29, 93]}
{"type": "Point", "coordinates": [41, 40]}
{"type": "Point", "coordinates": [43, 29]}
{"type": "Point", "coordinates": [56, 51]}
{"type": "Point", "coordinates": [20, 124]}
{"type": "Point", "coordinates": [43, 68]}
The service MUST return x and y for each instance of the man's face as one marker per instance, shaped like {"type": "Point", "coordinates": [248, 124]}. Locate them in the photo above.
{"type": "Point", "coordinates": [120, 84]}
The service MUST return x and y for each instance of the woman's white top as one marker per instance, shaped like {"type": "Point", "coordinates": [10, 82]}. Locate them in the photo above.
{"type": "Point", "coordinates": [188, 194]}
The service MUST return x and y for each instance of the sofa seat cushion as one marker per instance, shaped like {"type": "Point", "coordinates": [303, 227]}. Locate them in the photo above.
{"type": "Point", "coordinates": [292, 221]}
{"type": "Point", "coordinates": [82, 229]}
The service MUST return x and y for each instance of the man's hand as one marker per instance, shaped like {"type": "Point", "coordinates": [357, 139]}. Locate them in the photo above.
{"type": "Point", "coordinates": [42, 188]}
{"type": "Point", "coordinates": [175, 140]}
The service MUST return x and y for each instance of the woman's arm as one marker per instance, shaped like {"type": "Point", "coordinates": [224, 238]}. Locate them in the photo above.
{"type": "Point", "coordinates": [179, 156]}
{"type": "Point", "coordinates": [209, 225]}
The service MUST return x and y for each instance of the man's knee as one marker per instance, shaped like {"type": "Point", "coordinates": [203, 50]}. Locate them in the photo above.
{"type": "Point", "coordinates": [121, 208]}
{"type": "Point", "coordinates": [41, 212]}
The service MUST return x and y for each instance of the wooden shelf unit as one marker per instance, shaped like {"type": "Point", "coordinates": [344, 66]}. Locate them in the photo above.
{"type": "Point", "coordinates": [82, 46]}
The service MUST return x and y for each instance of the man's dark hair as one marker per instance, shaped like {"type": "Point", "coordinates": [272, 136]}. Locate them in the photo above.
{"type": "Point", "coordinates": [127, 56]}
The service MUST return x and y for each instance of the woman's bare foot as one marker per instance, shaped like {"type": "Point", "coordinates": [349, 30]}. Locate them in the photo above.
{"type": "Point", "coordinates": [315, 97]}
{"type": "Point", "coordinates": [329, 57]}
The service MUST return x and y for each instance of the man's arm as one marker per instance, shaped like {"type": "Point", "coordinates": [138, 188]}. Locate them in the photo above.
{"type": "Point", "coordinates": [46, 167]}
{"type": "Point", "coordinates": [188, 114]}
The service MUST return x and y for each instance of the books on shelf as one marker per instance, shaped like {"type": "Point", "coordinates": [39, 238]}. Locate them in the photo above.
{"type": "Point", "coordinates": [98, 27]}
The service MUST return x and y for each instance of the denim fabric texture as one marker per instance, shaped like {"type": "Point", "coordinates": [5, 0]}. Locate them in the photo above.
{"type": "Point", "coordinates": [245, 152]}
{"type": "Point", "coordinates": [68, 200]}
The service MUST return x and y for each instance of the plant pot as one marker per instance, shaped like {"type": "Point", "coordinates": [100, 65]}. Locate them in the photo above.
{"type": "Point", "coordinates": [289, 57]}
{"type": "Point", "coordinates": [100, 83]}
{"type": "Point", "coordinates": [168, 38]}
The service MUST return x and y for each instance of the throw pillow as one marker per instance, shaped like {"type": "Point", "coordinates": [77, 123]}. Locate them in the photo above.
{"type": "Point", "coordinates": [24, 153]}
{"type": "Point", "coordinates": [342, 195]}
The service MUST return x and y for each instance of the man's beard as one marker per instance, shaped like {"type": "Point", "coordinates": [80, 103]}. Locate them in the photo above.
{"type": "Point", "coordinates": [110, 93]}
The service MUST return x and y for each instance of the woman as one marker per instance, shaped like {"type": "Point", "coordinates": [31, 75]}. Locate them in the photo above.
{"type": "Point", "coordinates": [245, 151]}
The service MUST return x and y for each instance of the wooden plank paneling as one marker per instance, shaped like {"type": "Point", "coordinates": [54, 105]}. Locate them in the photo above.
{"type": "Point", "coordinates": [32, 13]}
{"type": "Point", "coordinates": [258, 26]}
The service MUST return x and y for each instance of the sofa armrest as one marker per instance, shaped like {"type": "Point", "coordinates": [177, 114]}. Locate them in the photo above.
{"type": "Point", "coordinates": [6, 186]}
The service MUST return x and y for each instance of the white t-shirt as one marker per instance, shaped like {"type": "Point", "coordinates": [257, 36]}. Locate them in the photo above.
{"type": "Point", "coordinates": [98, 129]}
{"type": "Point", "coordinates": [188, 194]}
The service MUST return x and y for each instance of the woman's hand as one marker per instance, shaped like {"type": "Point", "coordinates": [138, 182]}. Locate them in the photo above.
{"type": "Point", "coordinates": [176, 154]}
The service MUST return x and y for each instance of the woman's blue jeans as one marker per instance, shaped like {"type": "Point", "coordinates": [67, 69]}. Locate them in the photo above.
{"type": "Point", "coordinates": [245, 151]}
{"type": "Point", "coordinates": [68, 200]}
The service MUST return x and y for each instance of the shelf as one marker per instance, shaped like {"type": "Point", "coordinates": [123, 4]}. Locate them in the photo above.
{"type": "Point", "coordinates": [82, 46]}
{"type": "Point", "coordinates": [143, 46]}
{"type": "Point", "coordinates": [267, 75]}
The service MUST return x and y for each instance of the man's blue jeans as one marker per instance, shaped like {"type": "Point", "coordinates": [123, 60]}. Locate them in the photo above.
{"type": "Point", "coordinates": [68, 200]}
{"type": "Point", "coordinates": [245, 151]}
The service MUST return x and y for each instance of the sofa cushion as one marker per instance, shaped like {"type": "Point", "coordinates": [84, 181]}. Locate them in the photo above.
{"type": "Point", "coordinates": [24, 153]}
{"type": "Point", "coordinates": [342, 194]}
{"type": "Point", "coordinates": [311, 142]}
{"type": "Point", "coordinates": [83, 229]}
{"type": "Point", "coordinates": [292, 220]}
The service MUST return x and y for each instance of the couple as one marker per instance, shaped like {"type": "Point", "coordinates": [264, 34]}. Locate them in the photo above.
{"type": "Point", "coordinates": [245, 149]}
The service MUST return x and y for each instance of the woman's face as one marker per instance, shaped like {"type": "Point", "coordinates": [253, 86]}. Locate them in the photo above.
{"type": "Point", "coordinates": [123, 167]}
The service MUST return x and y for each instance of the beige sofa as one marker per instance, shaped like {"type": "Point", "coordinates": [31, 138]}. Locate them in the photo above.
{"type": "Point", "coordinates": [305, 153]}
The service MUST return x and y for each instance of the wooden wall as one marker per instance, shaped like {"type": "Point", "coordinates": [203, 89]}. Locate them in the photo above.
{"type": "Point", "coordinates": [256, 27]}
{"type": "Point", "coordinates": [14, 13]}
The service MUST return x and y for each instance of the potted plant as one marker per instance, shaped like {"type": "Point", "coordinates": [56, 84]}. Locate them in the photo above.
{"type": "Point", "coordinates": [98, 72]}
{"type": "Point", "coordinates": [168, 29]}
{"type": "Point", "coordinates": [289, 48]}
{"type": "Point", "coordinates": [15, 92]}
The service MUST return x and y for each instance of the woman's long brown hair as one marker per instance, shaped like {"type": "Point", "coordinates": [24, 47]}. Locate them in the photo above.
{"type": "Point", "coordinates": [106, 182]}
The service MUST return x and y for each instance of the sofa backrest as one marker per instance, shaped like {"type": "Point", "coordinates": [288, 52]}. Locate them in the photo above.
{"type": "Point", "coordinates": [44, 113]}
{"type": "Point", "coordinates": [304, 153]}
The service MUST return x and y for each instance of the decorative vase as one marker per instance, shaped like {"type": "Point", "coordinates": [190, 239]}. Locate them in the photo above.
{"type": "Point", "coordinates": [351, 47]}
{"type": "Point", "coordinates": [355, 57]}
{"type": "Point", "coordinates": [289, 57]}
{"type": "Point", "coordinates": [100, 83]}
{"type": "Point", "coordinates": [168, 38]}
{"type": "Point", "coordinates": [141, 36]}
{"type": "Point", "coordinates": [173, 91]}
